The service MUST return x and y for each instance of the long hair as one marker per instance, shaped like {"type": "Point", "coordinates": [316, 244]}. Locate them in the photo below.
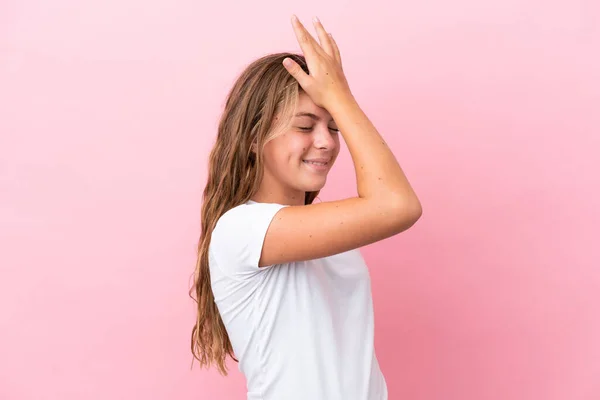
{"type": "Point", "coordinates": [235, 170]}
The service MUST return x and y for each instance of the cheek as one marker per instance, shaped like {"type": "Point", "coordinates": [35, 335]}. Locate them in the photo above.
{"type": "Point", "coordinates": [288, 150]}
{"type": "Point", "coordinates": [337, 145]}
{"type": "Point", "coordinates": [273, 157]}
{"type": "Point", "coordinates": [285, 155]}
{"type": "Point", "coordinates": [298, 149]}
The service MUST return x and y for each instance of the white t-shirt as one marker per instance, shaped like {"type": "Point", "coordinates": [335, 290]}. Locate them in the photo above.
{"type": "Point", "coordinates": [300, 330]}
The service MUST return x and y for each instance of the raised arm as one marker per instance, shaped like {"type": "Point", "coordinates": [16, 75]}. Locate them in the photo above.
{"type": "Point", "coordinates": [386, 203]}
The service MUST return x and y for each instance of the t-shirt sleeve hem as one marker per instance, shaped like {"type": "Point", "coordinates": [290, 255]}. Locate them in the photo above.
{"type": "Point", "coordinates": [268, 213]}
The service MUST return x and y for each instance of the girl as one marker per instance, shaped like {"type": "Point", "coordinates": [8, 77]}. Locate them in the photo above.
{"type": "Point", "coordinates": [280, 282]}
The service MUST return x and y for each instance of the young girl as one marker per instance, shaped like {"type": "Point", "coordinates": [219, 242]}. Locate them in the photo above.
{"type": "Point", "coordinates": [280, 282]}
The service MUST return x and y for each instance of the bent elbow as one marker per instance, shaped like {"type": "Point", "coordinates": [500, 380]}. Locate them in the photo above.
{"type": "Point", "coordinates": [407, 213]}
{"type": "Point", "coordinates": [418, 210]}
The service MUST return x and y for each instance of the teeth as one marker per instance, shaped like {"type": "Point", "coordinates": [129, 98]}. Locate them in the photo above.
{"type": "Point", "coordinates": [315, 162]}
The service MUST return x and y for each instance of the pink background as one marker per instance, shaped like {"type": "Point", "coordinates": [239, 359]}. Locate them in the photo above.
{"type": "Point", "coordinates": [108, 110]}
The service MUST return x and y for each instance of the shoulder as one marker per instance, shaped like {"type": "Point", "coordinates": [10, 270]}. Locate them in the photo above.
{"type": "Point", "coordinates": [247, 215]}
{"type": "Point", "coordinates": [237, 239]}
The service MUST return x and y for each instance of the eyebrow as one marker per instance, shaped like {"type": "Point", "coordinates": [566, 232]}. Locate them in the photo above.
{"type": "Point", "coordinates": [311, 115]}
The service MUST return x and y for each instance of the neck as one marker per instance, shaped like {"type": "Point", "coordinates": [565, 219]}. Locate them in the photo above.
{"type": "Point", "coordinates": [271, 191]}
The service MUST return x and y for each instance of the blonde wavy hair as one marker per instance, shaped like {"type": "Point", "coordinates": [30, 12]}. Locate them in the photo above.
{"type": "Point", "coordinates": [263, 90]}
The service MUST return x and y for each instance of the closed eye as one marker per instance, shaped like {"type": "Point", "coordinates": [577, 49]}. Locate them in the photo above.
{"type": "Point", "coordinates": [306, 129]}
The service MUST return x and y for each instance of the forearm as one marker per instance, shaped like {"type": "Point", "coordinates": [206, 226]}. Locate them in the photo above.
{"type": "Point", "coordinates": [378, 173]}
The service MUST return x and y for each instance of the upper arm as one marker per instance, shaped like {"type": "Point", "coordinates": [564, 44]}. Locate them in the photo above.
{"type": "Point", "coordinates": [299, 233]}
{"type": "Point", "coordinates": [237, 238]}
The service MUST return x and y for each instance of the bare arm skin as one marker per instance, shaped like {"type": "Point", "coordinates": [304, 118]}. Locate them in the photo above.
{"type": "Point", "coordinates": [386, 203]}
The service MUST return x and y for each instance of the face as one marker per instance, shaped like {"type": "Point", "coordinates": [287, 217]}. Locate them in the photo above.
{"type": "Point", "coordinates": [298, 160]}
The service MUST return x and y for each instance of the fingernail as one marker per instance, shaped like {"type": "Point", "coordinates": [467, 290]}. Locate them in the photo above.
{"type": "Point", "coordinates": [294, 18]}
{"type": "Point", "coordinates": [315, 20]}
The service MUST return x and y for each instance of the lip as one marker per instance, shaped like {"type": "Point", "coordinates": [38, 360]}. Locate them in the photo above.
{"type": "Point", "coordinates": [315, 167]}
{"type": "Point", "coordinates": [320, 159]}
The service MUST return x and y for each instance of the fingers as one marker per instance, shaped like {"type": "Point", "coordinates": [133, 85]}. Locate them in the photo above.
{"type": "Point", "coordinates": [310, 46]}
{"type": "Point", "coordinates": [297, 72]}
{"type": "Point", "coordinates": [324, 38]}
{"type": "Point", "coordinates": [336, 50]}
{"type": "Point", "coordinates": [307, 43]}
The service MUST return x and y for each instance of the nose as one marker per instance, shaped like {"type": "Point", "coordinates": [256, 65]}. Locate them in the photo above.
{"type": "Point", "coordinates": [323, 139]}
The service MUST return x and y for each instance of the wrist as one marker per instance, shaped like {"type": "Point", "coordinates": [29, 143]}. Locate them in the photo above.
{"type": "Point", "coordinates": [341, 103]}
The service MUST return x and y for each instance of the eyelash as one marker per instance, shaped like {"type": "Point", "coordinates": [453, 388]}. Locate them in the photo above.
{"type": "Point", "coordinates": [308, 129]}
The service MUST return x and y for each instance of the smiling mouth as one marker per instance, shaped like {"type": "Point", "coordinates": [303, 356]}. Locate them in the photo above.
{"type": "Point", "coordinates": [315, 162]}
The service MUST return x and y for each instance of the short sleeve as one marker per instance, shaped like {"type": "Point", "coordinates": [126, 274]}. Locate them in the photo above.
{"type": "Point", "coordinates": [238, 237]}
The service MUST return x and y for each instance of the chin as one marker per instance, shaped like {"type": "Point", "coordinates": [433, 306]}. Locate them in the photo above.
{"type": "Point", "coordinates": [314, 186]}
{"type": "Point", "coordinates": [310, 182]}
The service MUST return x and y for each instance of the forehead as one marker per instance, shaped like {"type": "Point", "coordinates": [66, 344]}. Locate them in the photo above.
{"type": "Point", "coordinates": [307, 106]}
